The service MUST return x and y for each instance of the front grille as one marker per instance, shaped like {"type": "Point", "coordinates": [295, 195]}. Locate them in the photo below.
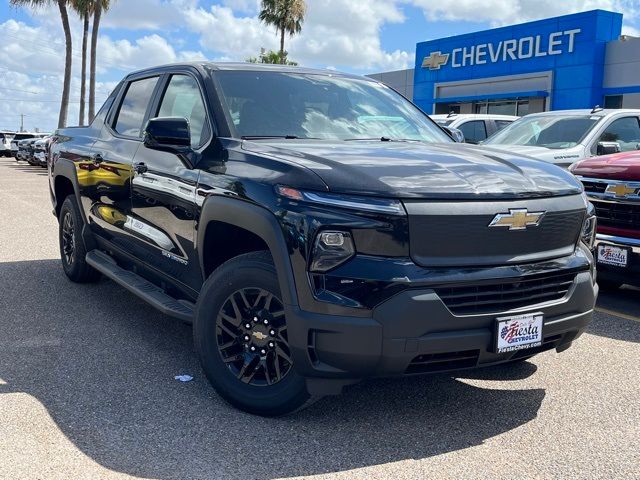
{"type": "Point", "coordinates": [458, 234]}
{"type": "Point", "coordinates": [618, 215]}
{"type": "Point", "coordinates": [506, 295]}
{"type": "Point", "coordinates": [594, 187]}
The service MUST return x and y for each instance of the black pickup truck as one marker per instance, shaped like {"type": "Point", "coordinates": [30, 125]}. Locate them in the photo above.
{"type": "Point", "coordinates": [317, 228]}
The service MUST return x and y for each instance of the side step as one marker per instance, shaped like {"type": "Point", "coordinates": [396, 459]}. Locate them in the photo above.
{"type": "Point", "coordinates": [144, 289]}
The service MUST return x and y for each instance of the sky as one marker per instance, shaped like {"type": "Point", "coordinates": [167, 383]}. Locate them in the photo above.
{"type": "Point", "coordinates": [358, 36]}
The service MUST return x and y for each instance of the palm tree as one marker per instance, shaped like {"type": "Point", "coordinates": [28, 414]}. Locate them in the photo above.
{"type": "Point", "coordinates": [64, 16]}
{"type": "Point", "coordinates": [98, 7]}
{"type": "Point", "coordinates": [286, 15]}
{"type": "Point", "coordinates": [84, 9]}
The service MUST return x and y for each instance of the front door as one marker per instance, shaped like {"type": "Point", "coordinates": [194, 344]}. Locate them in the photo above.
{"type": "Point", "coordinates": [164, 186]}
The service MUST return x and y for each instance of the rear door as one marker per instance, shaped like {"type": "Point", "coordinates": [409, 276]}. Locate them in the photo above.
{"type": "Point", "coordinates": [105, 177]}
{"type": "Point", "coordinates": [164, 184]}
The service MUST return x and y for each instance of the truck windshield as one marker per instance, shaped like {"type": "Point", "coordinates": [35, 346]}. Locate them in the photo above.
{"type": "Point", "coordinates": [549, 131]}
{"type": "Point", "coordinates": [296, 105]}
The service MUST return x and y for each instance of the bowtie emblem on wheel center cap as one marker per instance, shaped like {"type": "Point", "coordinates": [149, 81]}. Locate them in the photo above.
{"type": "Point", "coordinates": [260, 335]}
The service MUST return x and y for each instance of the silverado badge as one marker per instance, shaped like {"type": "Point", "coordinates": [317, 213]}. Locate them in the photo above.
{"type": "Point", "coordinates": [620, 190]}
{"type": "Point", "coordinates": [517, 219]}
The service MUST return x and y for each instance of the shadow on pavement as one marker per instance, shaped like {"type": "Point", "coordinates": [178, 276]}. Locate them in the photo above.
{"type": "Point", "coordinates": [102, 363]}
{"type": "Point", "coordinates": [625, 301]}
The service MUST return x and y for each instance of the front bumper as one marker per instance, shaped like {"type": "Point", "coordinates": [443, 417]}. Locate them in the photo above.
{"type": "Point", "coordinates": [629, 274]}
{"type": "Point", "coordinates": [414, 332]}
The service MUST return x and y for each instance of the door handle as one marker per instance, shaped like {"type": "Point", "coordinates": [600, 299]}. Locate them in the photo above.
{"type": "Point", "coordinates": [98, 159]}
{"type": "Point", "coordinates": [140, 168]}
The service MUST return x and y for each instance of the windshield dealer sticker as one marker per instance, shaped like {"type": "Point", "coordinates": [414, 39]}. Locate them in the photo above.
{"type": "Point", "coordinates": [518, 332]}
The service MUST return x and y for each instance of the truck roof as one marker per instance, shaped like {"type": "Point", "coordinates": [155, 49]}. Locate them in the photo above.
{"type": "Point", "coordinates": [247, 66]}
{"type": "Point", "coordinates": [599, 112]}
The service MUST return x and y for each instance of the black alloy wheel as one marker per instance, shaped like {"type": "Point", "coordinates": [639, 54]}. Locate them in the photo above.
{"type": "Point", "coordinates": [242, 338]}
{"type": "Point", "coordinates": [252, 337]}
{"type": "Point", "coordinates": [68, 241]}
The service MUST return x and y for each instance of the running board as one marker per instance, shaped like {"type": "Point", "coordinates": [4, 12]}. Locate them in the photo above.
{"type": "Point", "coordinates": [147, 291]}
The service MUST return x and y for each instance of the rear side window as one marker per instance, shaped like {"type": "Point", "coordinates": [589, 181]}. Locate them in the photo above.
{"type": "Point", "coordinates": [182, 99]}
{"type": "Point", "coordinates": [134, 106]}
{"type": "Point", "coordinates": [474, 131]}
{"type": "Point", "coordinates": [500, 124]}
{"type": "Point", "coordinates": [624, 131]}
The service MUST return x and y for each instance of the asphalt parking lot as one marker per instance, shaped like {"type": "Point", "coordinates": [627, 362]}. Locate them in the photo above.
{"type": "Point", "coordinates": [87, 390]}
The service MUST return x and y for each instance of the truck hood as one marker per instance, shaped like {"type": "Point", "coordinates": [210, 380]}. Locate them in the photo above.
{"type": "Point", "coordinates": [620, 166]}
{"type": "Point", "coordinates": [420, 170]}
{"type": "Point", "coordinates": [564, 157]}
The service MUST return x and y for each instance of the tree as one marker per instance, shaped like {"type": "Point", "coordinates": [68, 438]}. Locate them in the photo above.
{"type": "Point", "coordinates": [84, 9]}
{"type": "Point", "coordinates": [64, 17]}
{"type": "Point", "coordinates": [98, 7]}
{"type": "Point", "coordinates": [286, 15]}
{"type": "Point", "coordinates": [271, 57]}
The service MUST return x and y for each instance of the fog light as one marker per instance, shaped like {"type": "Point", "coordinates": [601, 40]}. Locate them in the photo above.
{"type": "Point", "coordinates": [332, 239]}
{"type": "Point", "coordinates": [330, 250]}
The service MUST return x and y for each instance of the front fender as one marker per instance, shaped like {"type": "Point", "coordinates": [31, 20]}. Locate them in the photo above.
{"type": "Point", "coordinates": [255, 219]}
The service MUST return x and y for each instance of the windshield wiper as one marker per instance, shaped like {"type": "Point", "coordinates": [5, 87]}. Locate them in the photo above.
{"type": "Point", "coordinates": [372, 139]}
{"type": "Point", "coordinates": [267, 137]}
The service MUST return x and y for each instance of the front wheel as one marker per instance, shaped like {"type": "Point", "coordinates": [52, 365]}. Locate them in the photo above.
{"type": "Point", "coordinates": [240, 334]}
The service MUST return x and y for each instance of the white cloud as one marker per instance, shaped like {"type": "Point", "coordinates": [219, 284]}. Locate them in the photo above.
{"type": "Point", "coordinates": [336, 32]}
{"type": "Point", "coordinates": [503, 12]}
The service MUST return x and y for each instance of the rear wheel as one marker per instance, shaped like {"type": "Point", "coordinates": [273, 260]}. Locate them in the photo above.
{"type": "Point", "coordinates": [240, 334]}
{"type": "Point", "coordinates": [72, 250]}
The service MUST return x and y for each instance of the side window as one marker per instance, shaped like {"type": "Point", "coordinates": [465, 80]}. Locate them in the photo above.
{"type": "Point", "coordinates": [500, 124]}
{"type": "Point", "coordinates": [474, 131]}
{"type": "Point", "coordinates": [183, 99]}
{"type": "Point", "coordinates": [134, 106]}
{"type": "Point", "coordinates": [625, 131]}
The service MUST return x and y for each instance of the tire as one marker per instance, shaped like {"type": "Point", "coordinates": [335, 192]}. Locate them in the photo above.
{"type": "Point", "coordinates": [247, 380]}
{"type": "Point", "coordinates": [72, 250]}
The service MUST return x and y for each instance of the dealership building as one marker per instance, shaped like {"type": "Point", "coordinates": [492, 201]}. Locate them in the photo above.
{"type": "Point", "coordinates": [573, 61]}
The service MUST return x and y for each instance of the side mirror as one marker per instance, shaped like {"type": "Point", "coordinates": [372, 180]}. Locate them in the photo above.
{"type": "Point", "coordinates": [607, 148]}
{"type": "Point", "coordinates": [454, 133]}
{"type": "Point", "coordinates": [169, 134]}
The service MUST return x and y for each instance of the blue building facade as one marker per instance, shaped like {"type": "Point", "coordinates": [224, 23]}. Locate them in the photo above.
{"type": "Point", "coordinates": [552, 64]}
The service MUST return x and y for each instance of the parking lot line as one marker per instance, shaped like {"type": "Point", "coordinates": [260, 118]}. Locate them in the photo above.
{"type": "Point", "coordinates": [617, 314]}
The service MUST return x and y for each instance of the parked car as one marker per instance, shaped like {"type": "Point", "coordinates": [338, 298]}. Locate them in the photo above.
{"type": "Point", "coordinates": [24, 149]}
{"type": "Point", "coordinates": [5, 144]}
{"type": "Point", "coordinates": [612, 183]}
{"type": "Point", "coordinates": [565, 136]}
{"type": "Point", "coordinates": [17, 138]}
{"type": "Point", "coordinates": [39, 148]}
{"type": "Point", "coordinates": [475, 127]}
{"type": "Point", "coordinates": [321, 234]}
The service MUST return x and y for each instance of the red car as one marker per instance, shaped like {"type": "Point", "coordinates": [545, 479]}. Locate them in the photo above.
{"type": "Point", "coordinates": [612, 183]}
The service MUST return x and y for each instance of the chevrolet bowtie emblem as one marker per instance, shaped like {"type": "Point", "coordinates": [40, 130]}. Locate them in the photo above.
{"type": "Point", "coordinates": [620, 190]}
{"type": "Point", "coordinates": [435, 60]}
{"type": "Point", "coordinates": [517, 219]}
{"type": "Point", "coordinates": [259, 335]}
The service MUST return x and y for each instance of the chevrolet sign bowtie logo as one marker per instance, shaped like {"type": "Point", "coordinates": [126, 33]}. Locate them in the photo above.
{"type": "Point", "coordinates": [517, 219]}
{"type": "Point", "coordinates": [620, 190]}
{"type": "Point", "coordinates": [435, 60]}
{"type": "Point", "coordinates": [259, 335]}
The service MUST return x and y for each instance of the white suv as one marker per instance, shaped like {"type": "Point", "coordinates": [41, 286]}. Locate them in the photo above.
{"type": "Point", "coordinates": [5, 144]}
{"type": "Point", "coordinates": [475, 127]}
{"type": "Point", "coordinates": [565, 136]}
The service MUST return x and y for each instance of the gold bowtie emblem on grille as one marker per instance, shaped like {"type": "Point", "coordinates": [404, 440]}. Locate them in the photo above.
{"type": "Point", "coordinates": [259, 335]}
{"type": "Point", "coordinates": [620, 190]}
{"type": "Point", "coordinates": [517, 219]}
{"type": "Point", "coordinates": [435, 60]}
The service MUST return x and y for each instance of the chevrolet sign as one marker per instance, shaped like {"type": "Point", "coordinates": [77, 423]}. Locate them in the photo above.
{"type": "Point", "coordinates": [556, 43]}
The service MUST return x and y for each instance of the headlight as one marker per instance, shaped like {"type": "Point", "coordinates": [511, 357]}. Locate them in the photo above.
{"type": "Point", "coordinates": [589, 227]}
{"type": "Point", "coordinates": [353, 202]}
{"type": "Point", "coordinates": [330, 249]}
